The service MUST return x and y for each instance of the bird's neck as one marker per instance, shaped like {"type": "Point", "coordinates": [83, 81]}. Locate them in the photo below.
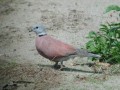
{"type": "Point", "coordinates": [40, 35]}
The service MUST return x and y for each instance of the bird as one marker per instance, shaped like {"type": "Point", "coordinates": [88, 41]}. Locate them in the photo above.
{"type": "Point", "coordinates": [56, 50]}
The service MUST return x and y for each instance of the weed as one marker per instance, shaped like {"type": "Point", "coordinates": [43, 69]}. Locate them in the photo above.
{"type": "Point", "coordinates": [106, 42]}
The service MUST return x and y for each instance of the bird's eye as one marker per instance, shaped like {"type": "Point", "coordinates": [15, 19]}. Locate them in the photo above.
{"type": "Point", "coordinates": [36, 27]}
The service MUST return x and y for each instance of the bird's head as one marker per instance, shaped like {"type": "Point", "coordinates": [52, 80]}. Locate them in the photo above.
{"type": "Point", "coordinates": [39, 30]}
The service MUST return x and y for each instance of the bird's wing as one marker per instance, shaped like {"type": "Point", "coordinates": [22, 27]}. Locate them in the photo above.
{"type": "Point", "coordinates": [51, 47]}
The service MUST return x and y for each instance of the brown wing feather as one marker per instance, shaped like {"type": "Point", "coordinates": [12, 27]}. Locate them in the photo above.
{"type": "Point", "coordinates": [51, 48]}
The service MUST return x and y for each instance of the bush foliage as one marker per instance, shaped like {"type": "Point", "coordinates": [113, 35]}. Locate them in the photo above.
{"type": "Point", "coordinates": [106, 42]}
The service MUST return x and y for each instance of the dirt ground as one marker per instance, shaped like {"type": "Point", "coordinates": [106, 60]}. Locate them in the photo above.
{"type": "Point", "coordinates": [67, 20]}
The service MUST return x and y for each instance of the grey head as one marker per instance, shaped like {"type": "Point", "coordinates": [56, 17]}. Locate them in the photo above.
{"type": "Point", "coordinates": [39, 30]}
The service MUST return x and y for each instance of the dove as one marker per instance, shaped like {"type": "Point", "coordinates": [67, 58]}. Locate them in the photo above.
{"type": "Point", "coordinates": [56, 50]}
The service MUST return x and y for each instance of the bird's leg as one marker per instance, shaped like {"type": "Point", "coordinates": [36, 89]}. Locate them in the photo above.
{"type": "Point", "coordinates": [61, 65]}
{"type": "Point", "coordinates": [56, 65]}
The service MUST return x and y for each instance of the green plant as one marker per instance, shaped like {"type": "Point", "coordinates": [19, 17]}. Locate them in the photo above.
{"type": "Point", "coordinates": [112, 7]}
{"type": "Point", "coordinates": [106, 42]}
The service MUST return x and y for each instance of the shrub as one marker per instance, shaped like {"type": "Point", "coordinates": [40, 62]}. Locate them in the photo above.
{"type": "Point", "coordinates": [106, 42]}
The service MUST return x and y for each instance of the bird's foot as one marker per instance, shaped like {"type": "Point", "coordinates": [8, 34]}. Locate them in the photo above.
{"type": "Point", "coordinates": [61, 67]}
{"type": "Point", "coordinates": [57, 66]}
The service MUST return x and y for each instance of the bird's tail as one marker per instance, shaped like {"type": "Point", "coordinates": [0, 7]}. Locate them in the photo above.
{"type": "Point", "coordinates": [93, 55]}
{"type": "Point", "coordinates": [85, 53]}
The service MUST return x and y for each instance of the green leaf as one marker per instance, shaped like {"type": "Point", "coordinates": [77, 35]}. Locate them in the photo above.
{"type": "Point", "coordinates": [92, 34]}
{"type": "Point", "coordinates": [102, 40]}
{"type": "Point", "coordinates": [104, 28]}
{"type": "Point", "coordinates": [90, 46]}
{"type": "Point", "coordinates": [90, 43]}
{"type": "Point", "coordinates": [115, 24]}
{"type": "Point", "coordinates": [112, 35]}
{"type": "Point", "coordinates": [112, 7]}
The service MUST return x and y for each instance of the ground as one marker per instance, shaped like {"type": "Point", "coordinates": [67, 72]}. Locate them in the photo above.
{"type": "Point", "coordinates": [66, 20]}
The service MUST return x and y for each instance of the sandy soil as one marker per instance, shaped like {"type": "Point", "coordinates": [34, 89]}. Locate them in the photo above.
{"type": "Point", "coordinates": [66, 20]}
